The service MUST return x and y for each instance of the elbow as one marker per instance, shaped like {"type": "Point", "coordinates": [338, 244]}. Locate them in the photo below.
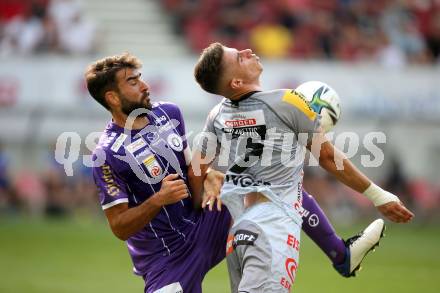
{"type": "Point", "coordinates": [121, 235]}
{"type": "Point", "coordinates": [118, 223]}
{"type": "Point", "coordinates": [118, 231]}
{"type": "Point", "coordinates": [331, 161]}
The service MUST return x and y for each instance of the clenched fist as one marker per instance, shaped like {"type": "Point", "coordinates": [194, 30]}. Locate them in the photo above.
{"type": "Point", "coordinates": [172, 190]}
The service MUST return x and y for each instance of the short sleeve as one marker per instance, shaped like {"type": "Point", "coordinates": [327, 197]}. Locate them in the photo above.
{"type": "Point", "coordinates": [112, 190]}
{"type": "Point", "coordinates": [207, 142]}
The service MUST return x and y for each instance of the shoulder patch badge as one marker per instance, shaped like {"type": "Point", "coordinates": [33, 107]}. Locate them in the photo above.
{"type": "Point", "coordinates": [296, 99]}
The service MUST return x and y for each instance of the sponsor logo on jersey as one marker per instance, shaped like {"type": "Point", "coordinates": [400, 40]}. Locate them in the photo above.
{"type": "Point", "coordinates": [175, 142]}
{"type": "Point", "coordinates": [313, 220]}
{"type": "Point", "coordinates": [286, 284]}
{"type": "Point", "coordinates": [301, 210]}
{"type": "Point", "coordinates": [291, 267]}
{"type": "Point", "coordinates": [241, 122]}
{"type": "Point", "coordinates": [143, 154]}
{"type": "Point", "coordinates": [244, 180]}
{"type": "Point", "coordinates": [108, 139]}
{"type": "Point", "coordinates": [136, 145]}
{"type": "Point", "coordinates": [110, 184]}
{"type": "Point", "coordinates": [297, 100]}
{"type": "Point", "coordinates": [244, 237]}
{"type": "Point", "coordinates": [166, 127]}
{"type": "Point", "coordinates": [251, 123]}
{"type": "Point", "coordinates": [229, 246]}
{"type": "Point", "coordinates": [242, 119]}
{"type": "Point", "coordinates": [292, 241]}
{"type": "Point", "coordinates": [118, 142]}
{"type": "Point", "coordinates": [153, 166]}
{"type": "Point", "coordinates": [297, 205]}
{"type": "Point", "coordinates": [256, 132]}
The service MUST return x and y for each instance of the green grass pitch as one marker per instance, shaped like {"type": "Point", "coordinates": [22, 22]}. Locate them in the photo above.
{"type": "Point", "coordinates": [83, 256]}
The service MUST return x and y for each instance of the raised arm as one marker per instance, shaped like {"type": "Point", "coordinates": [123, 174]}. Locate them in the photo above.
{"type": "Point", "coordinates": [335, 162]}
{"type": "Point", "coordinates": [198, 171]}
{"type": "Point", "coordinates": [204, 153]}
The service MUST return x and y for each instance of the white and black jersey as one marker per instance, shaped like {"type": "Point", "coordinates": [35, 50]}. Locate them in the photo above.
{"type": "Point", "coordinates": [260, 140]}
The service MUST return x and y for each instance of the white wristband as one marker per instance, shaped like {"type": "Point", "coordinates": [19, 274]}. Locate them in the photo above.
{"type": "Point", "coordinates": [379, 196]}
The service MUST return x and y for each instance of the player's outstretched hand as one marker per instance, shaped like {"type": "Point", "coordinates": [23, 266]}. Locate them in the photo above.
{"type": "Point", "coordinates": [172, 190]}
{"type": "Point", "coordinates": [396, 212]}
{"type": "Point", "coordinates": [212, 186]}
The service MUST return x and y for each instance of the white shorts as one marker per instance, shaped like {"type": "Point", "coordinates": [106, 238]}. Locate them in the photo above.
{"type": "Point", "coordinates": [263, 250]}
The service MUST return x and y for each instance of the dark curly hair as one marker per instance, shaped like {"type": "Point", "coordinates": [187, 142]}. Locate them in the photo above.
{"type": "Point", "coordinates": [101, 75]}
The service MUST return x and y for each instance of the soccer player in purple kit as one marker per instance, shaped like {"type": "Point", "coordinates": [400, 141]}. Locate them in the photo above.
{"type": "Point", "coordinates": [141, 173]}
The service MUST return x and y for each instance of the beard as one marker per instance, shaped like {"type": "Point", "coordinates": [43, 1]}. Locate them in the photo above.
{"type": "Point", "coordinates": [128, 106]}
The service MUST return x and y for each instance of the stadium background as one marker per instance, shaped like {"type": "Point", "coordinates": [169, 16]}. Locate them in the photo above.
{"type": "Point", "coordinates": [382, 57]}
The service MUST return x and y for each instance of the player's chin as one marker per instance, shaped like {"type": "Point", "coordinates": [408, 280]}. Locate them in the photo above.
{"type": "Point", "coordinates": [148, 105]}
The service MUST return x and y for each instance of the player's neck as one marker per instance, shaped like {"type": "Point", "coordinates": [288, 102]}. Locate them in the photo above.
{"type": "Point", "coordinates": [235, 96]}
{"type": "Point", "coordinates": [123, 121]}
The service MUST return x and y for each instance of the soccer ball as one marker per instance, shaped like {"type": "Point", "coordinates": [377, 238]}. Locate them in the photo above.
{"type": "Point", "coordinates": [323, 100]}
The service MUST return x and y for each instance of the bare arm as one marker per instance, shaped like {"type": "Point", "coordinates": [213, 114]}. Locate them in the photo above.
{"type": "Point", "coordinates": [125, 221]}
{"type": "Point", "coordinates": [348, 174]}
{"type": "Point", "coordinates": [197, 172]}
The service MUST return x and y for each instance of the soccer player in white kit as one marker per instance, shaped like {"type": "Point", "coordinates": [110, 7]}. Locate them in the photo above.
{"type": "Point", "coordinates": [262, 136]}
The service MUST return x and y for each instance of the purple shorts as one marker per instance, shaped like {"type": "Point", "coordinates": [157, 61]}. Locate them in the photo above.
{"type": "Point", "coordinates": [204, 248]}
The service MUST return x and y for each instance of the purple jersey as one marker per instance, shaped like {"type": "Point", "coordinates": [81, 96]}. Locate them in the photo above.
{"type": "Point", "coordinates": [135, 163]}
{"type": "Point", "coordinates": [179, 246]}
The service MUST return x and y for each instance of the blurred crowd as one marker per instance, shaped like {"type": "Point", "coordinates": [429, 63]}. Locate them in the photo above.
{"type": "Point", "coordinates": [391, 32]}
{"type": "Point", "coordinates": [49, 192]}
{"type": "Point", "coordinates": [41, 26]}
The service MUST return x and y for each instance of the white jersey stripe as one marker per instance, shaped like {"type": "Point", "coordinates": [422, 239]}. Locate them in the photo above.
{"type": "Point", "coordinates": [113, 203]}
{"type": "Point", "coordinates": [163, 241]}
{"type": "Point", "coordinates": [171, 225]}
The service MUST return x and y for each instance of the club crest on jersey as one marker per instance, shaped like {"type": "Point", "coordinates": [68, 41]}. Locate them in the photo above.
{"type": "Point", "coordinates": [175, 142]}
{"type": "Point", "coordinates": [153, 166]}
